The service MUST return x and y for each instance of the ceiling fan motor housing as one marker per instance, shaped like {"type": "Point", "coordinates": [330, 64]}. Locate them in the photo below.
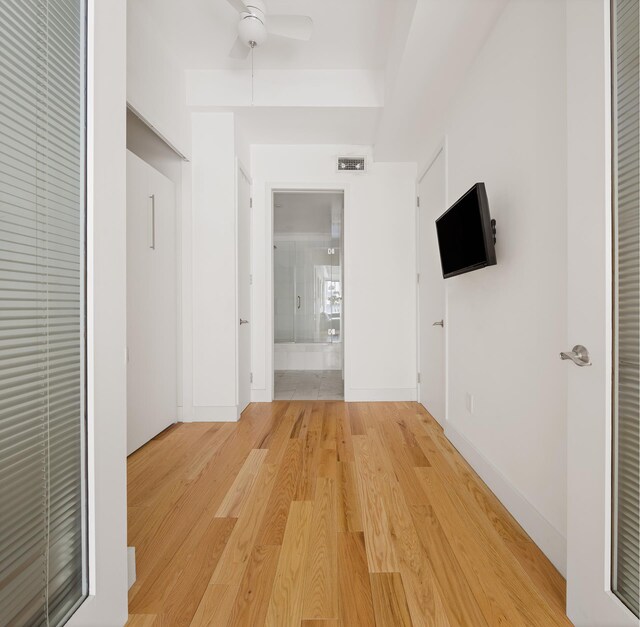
{"type": "Point", "coordinates": [252, 27]}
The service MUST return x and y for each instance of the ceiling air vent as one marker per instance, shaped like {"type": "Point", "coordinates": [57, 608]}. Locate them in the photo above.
{"type": "Point", "coordinates": [352, 164]}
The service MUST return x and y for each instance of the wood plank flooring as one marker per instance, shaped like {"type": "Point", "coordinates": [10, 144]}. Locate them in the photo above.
{"type": "Point", "coordinates": [322, 513]}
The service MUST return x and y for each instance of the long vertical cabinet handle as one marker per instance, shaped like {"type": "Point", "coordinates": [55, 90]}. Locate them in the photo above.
{"type": "Point", "coordinates": [152, 238]}
{"type": "Point", "coordinates": [298, 302]}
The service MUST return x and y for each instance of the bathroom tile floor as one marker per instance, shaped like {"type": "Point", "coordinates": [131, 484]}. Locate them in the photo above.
{"type": "Point", "coordinates": [308, 385]}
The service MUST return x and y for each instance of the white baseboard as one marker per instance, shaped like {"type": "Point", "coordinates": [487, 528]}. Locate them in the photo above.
{"type": "Point", "coordinates": [379, 395]}
{"type": "Point", "coordinates": [215, 414]}
{"type": "Point", "coordinates": [260, 396]}
{"type": "Point", "coordinates": [552, 543]}
{"type": "Point", "coordinates": [131, 565]}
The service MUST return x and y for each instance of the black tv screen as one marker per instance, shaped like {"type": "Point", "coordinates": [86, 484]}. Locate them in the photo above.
{"type": "Point", "coordinates": [466, 234]}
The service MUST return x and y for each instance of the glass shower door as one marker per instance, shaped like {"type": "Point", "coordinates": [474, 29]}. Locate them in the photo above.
{"type": "Point", "coordinates": [334, 287]}
{"type": "Point", "coordinates": [312, 321]}
{"type": "Point", "coordinates": [308, 291]}
{"type": "Point", "coordinates": [284, 261]}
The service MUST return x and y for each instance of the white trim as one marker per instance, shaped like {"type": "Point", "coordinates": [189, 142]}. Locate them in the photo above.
{"type": "Point", "coordinates": [271, 188]}
{"type": "Point", "coordinates": [131, 565]}
{"type": "Point", "coordinates": [447, 335]}
{"type": "Point", "coordinates": [106, 317]}
{"type": "Point", "coordinates": [186, 293]}
{"type": "Point", "coordinates": [379, 395]}
{"type": "Point", "coordinates": [552, 543]}
{"type": "Point", "coordinates": [260, 396]}
{"type": "Point", "coordinates": [417, 289]}
{"type": "Point", "coordinates": [241, 172]}
{"type": "Point", "coordinates": [590, 601]}
{"type": "Point", "coordinates": [227, 413]}
{"type": "Point", "coordinates": [237, 174]}
{"type": "Point", "coordinates": [441, 150]}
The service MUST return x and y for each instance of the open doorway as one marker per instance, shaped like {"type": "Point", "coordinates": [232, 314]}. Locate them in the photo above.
{"type": "Point", "coordinates": [308, 295]}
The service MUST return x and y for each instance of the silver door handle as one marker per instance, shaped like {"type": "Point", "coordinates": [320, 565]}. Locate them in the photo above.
{"type": "Point", "coordinates": [298, 302]}
{"type": "Point", "coordinates": [579, 356]}
{"type": "Point", "coordinates": [243, 321]}
{"type": "Point", "coordinates": [438, 323]}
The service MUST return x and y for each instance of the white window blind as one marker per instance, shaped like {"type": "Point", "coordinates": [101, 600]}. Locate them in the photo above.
{"type": "Point", "coordinates": [42, 348]}
{"type": "Point", "coordinates": [626, 169]}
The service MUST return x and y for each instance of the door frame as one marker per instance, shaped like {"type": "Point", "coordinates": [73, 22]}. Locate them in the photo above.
{"type": "Point", "coordinates": [106, 313]}
{"type": "Point", "coordinates": [442, 149]}
{"type": "Point", "coordinates": [590, 600]}
{"type": "Point", "coordinates": [242, 171]}
{"type": "Point", "coordinates": [271, 189]}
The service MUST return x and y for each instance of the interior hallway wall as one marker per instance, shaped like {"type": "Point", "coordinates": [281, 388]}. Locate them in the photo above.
{"type": "Point", "coordinates": [214, 272]}
{"type": "Point", "coordinates": [156, 85]}
{"type": "Point", "coordinates": [210, 297]}
{"type": "Point", "coordinates": [379, 257]}
{"type": "Point", "coordinates": [507, 324]}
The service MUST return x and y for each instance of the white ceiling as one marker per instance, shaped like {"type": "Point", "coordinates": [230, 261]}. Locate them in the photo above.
{"type": "Point", "coordinates": [440, 45]}
{"type": "Point", "coordinates": [421, 50]}
{"type": "Point", "coordinates": [304, 212]}
{"type": "Point", "coordinates": [309, 125]}
{"type": "Point", "coordinates": [348, 34]}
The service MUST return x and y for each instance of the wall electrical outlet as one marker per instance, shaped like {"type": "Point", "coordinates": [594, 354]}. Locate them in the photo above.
{"type": "Point", "coordinates": [469, 402]}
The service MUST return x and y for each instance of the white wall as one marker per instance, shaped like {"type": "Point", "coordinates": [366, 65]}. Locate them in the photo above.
{"type": "Point", "coordinates": [379, 266]}
{"type": "Point", "coordinates": [213, 259]}
{"type": "Point", "coordinates": [506, 324]}
{"type": "Point", "coordinates": [242, 147]}
{"type": "Point", "coordinates": [156, 85]}
{"type": "Point", "coordinates": [210, 273]}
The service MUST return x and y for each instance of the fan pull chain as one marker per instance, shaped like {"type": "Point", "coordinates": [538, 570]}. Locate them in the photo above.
{"type": "Point", "coordinates": [253, 45]}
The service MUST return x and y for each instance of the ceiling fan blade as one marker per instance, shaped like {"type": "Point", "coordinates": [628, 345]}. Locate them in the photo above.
{"type": "Point", "coordinates": [239, 50]}
{"type": "Point", "coordinates": [238, 5]}
{"type": "Point", "coordinates": [291, 26]}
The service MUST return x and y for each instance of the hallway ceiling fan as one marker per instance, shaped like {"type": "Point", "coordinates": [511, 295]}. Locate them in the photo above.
{"type": "Point", "coordinates": [256, 24]}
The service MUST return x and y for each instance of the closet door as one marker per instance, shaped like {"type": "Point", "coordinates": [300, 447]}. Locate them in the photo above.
{"type": "Point", "coordinates": [165, 302]}
{"type": "Point", "coordinates": [151, 303]}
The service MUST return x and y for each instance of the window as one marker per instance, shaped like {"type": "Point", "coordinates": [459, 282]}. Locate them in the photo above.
{"type": "Point", "coordinates": [42, 311]}
{"type": "Point", "coordinates": [626, 389]}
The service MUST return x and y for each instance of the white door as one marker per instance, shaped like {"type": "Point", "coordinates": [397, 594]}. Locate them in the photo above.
{"type": "Point", "coordinates": [151, 303]}
{"type": "Point", "coordinates": [244, 290]}
{"type": "Point", "coordinates": [590, 600]}
{"type": "Point", "coordinates": [431, 307]}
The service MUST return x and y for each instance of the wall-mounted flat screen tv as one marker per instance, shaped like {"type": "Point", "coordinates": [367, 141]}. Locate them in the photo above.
{"type": "Point", "coordinates": [466, 234]}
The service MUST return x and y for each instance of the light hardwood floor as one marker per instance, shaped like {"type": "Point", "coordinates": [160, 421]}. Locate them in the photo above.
{"type": "Point", "coordinates": [318, 514]}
